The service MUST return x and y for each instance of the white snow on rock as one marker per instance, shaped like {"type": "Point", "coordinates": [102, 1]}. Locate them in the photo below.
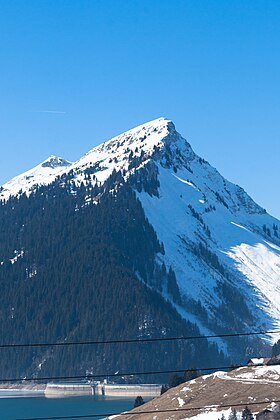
{"type": "Point", "coordinates": [42, 174]}
{"type": "Point", "coordinates": [260, 264]}
{"type": "Point", "coordinates": [117, 152]}
{"type": "Point", "coordinates": [212, 414]}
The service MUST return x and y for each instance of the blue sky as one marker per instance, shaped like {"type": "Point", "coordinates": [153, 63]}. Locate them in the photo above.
{"type": "Point", "coordinates": [211, 66]}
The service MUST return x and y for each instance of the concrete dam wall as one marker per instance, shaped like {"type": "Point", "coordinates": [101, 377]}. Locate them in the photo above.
{"type": "Point", "coordinates": [109, 390]}
{"type": "Point", "coordinates": [145, 390]}
{"type": "Point", "coordinates": [61, 390]}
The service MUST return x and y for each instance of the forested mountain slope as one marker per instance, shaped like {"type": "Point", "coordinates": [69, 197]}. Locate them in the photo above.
{"type": "Point", "coordinates": [138, 238]}
{"type": "Point", "coordinates": [68, 274]}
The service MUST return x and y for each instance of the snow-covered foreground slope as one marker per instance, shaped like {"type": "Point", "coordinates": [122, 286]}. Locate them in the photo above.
{"type": "Point", "coordinates": [222, 246]}
{"type": "Point", "coordinates": [210, 396]}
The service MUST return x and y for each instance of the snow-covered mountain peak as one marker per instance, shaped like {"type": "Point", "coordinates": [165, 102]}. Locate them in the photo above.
{"type": "Point", "coordinates": [159, 128]}
{"type": "Point", "coordinates": [144, 137]}
{"type": "Point", "coordinates": [138, 144]}
{"type": "Point", "coordinates": [132, 149]}
{"type": "Point", "coordinates": [42, 174]}
{"type": "Point", "coordinates": [55, 162]}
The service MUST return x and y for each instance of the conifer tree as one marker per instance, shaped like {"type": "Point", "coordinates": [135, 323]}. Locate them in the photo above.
{"type": "Point", "coordinates": [275, 349]}
{"type": "Point", "coordinates": [172, 286]}
{"type": "Point", "coordinates": [175, 380]}
{"type": "Point", "coordinates": [233, 415]}
{"type": "Point", "coordinates": [247, 414]}
{"type": "Point", "coordinates": [138, 401]}
{"type": "Point", "coordinates": [190, 374]}
{"type": "Point", "coordinates": [164, 388]}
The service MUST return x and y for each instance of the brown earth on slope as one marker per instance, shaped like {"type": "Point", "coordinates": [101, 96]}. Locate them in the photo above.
{"type": "Point", "coordinates": [256, 387]}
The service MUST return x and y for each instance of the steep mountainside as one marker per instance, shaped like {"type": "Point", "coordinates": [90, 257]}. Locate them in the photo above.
{"type": "Point", "coordinates": [142, 226]}
{"type": "Point", "coordinates": [69, 272]}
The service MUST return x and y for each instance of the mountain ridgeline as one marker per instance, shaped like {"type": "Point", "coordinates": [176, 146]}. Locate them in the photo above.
{"type": "Point", "coordinates": [140, 238]}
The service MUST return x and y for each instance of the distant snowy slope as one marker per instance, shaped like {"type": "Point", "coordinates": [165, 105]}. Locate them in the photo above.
{"type": "Point", "coordinates": [42, 174]}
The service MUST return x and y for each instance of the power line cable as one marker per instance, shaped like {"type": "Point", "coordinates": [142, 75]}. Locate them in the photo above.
{"type": "Point", "coordinates": [118, 374]}
{"type": "Point", "coordinates": [136, 340]}
{"type": "Point", "coordinates": [169, 410]}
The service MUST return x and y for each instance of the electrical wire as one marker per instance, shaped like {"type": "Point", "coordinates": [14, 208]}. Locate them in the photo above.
{"type": "Point", "coordinates": [169, 410]}
{"type": "Point", "coordinates": [160, 339]}
{"type": "Point", "coordinates": [136, 340]}
{"type": "Point", "coordinates": [49, 378]}
{"type": "Point", "coordinates": [118, 374]}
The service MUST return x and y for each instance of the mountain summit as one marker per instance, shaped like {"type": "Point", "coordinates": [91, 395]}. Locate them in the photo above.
{"type": "Point", "coordinates": [115, 154]}
{"type": "Point", "coordinates": [143, 206]}
{"type": "Point", "coordinates": [42, 174]}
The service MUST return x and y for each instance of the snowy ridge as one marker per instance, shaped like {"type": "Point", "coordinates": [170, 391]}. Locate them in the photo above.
{"type": "Point", "coordinates": [42, 174]}
{"type": "Point", "coordinates": [117, 153]}
{"type": "Point", "coordinates": [113, 154]}
{"type": "Point", "coordinates": [216, 238]}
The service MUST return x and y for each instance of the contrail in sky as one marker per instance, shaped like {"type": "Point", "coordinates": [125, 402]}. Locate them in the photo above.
{"type": "Point", "coordinates": [45, 111]}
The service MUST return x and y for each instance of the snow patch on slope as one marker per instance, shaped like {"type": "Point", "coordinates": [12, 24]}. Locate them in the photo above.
{"type": "Point", "coordinates": [261, 266]}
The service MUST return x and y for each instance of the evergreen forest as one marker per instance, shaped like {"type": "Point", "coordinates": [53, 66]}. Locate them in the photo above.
{"type": "Point", "coordinates": [80, 264]}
